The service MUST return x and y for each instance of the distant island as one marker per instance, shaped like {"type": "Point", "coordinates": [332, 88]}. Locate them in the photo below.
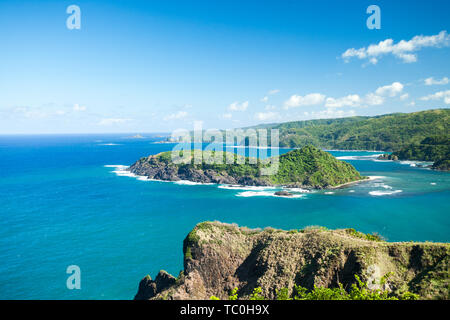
{"type": "Point", "coordinates": [308, 167]}
{"type": "Point", "coordinates": [224, 261]}
{"type": "Point", "coordinates": [137, 136]}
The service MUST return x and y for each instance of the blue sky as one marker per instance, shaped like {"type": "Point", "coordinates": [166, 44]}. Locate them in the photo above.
{"type": "Point", "coordinates": [155, 66]}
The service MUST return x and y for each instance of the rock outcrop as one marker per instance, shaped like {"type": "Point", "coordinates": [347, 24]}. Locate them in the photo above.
{"type": "Point", "coordinates": [148, 288]}
{"type": "Point", "coordinates": [283, 193]}
{"type": "Point", "coordinates": [219, 257]}
{"type": "Point", "coordinates": [387, 156]}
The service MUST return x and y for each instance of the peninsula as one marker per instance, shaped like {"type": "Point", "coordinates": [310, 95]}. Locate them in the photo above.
{"type": "Point", "coordinates": [308, 167]}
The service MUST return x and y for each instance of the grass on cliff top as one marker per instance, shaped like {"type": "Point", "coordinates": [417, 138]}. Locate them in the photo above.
{"type": "Point", "coordinates": [213, 226]}
{"type": "Point", "coordinates": [193, 238]}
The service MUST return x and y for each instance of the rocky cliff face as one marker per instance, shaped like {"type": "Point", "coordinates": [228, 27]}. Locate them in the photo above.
{"type": "Point", "coordinates": [154, 168]}
{"type": "Point", "coordinates": [219, 257]}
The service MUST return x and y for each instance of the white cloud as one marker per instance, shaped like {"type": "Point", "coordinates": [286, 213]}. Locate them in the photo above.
{"type": "Point", "coordinates": [112, 121]}
{"type": "Point", "coordinates": [402, 50]}
{"type": "Point", "coordinates": [373, 99]}
{"type": "Point", "coordinates": [445, 95]}
{"type": "Point", "coordinates": [431, 81]}
{"type": "Point", "coordinates": [236, 106]}
{"type": "Point", "coordinates": [37, 112]}
{"type": "Point", "coordinates": [390, 90]}
{"type": "Point", "coordinates": [227, 115]}
{"type": "Point", "coordinates": [404, 96]}
{"type": "Point", "coordinates": [30, 113]}
{"type": "Point", "coordinates": [274, 91]}
{"type": "Point", "coordinates": [270, 107]}
{"type": "Point", "coordinates": [175, 116]}
{"type": "Point", "coordinates": [78, 108]}
{"type": "Point", "coordinates": [307, 100]}
{"type": "Point", "coordinates": [330, 113]}
{"type": "Point", "coordinates": [265, 99]}
{"type": "Point", "coordinates": [352, 100]}
{"type": "Point", "coordinates": [264, 116]}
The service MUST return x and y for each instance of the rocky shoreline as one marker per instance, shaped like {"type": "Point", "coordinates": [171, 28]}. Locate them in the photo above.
{"type": "Point", "coordinates": [167, 172]}
{"type": "Point", "coordinates": [439, 165]}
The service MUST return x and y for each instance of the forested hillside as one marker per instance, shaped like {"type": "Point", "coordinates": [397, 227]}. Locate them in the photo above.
{"type": "Point", "coordinates": [386, 132]}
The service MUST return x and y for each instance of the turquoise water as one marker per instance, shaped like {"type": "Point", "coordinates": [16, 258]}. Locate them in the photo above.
{"type": "Point", "coordinates": [61, 206]}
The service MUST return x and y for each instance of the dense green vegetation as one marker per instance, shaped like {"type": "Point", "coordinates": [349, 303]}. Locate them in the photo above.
{"type": "Point", "coordinates": [366, 236]}
{"type": "Point", "coordinates": [386, 132]}
{"type": "Point", "coordinates": [313, 167]}
{"type": "Point", "coordinates": [442, 164]}
{"type": "Point", "coordinates": [436, 149]}
{"type": "Point", "coordinates": [358, 291]}
{"type": "Point", "coordinates": [307, 166]}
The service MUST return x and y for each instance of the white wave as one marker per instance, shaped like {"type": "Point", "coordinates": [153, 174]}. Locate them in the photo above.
{"type": "Point", "coordinates": [118, 166]}
{"type": "Point", "coordinates": [239, 187]}
{"type": "Point", "coordinates": [255, 193]}
{"type": "Point", "coordinates": [370, 157]}
{"type": "Point", "coordinates": [265, 194]}
{"type": "Point", "coordinates": [109, 144]}
{"type": "Point", "coordinates": [415, 163]}
{"type": "Point", "coordinates": [329, 192]}
{"type": "Point", "coordinates": [384, 193]}
{"type": "Point", "coordinates": [297, 190]}
{"type": "Point", "coordinates": [376, 177]}
{"type": "Point", "coordinates": [123, 173]}
{"type": "Point", "coordinates": [382, 185]}
{"type": "Point", "coordinates": [351, 191]}
{"type": "Point", "coordinates": [191, 183]}
{"type": "Point", "coordinates": [433, 183]}
{"type": "Point", "coordinates": [294, 196]}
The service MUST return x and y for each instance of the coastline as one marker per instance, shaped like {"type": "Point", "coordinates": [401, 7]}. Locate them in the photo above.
{"type": "Point", "coordinates": [122, 170]}
{"type": "Point", "coordinates": [344, 185]}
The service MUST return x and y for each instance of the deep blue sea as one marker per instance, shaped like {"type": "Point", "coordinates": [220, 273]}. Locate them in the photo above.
{"type": "Point", "coordinates": [64, 201]}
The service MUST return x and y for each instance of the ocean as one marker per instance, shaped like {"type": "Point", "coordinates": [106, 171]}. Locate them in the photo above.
{"type": "Point", "coordinates": [64, 200]}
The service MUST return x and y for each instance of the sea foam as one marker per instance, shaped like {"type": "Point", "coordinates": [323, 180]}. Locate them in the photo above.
{"type": "Point", "coordinates": [249, 188]}
{"type": "Point", "coordinates": [384, 193]}
{"type": "Point", "coordinates": [265, 194]}
{"type": "Point", "coordinates": [371, 157]}
{"type": "Point", "coordinates": [191, 183]}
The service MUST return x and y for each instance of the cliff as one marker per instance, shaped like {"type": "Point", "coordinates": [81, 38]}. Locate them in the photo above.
{"type": "Point", "coordinates": [219, 257]}
{"type": "Point", "coordinates": [307, 167]}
